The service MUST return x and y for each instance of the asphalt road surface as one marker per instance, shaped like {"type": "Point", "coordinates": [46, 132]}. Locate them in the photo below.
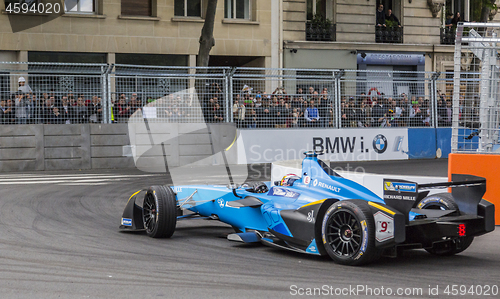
{"type": "Point", "coordinates": [59, 238]}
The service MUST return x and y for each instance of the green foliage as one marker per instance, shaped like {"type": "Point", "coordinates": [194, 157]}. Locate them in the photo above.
{"type": "Point", "coordinates": [390, 23]}
{"type": "Point", "coordinates": [321, 22]}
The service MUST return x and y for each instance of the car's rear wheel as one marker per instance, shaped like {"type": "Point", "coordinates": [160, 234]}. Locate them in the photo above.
{"type": "Point", "coordinates": [449, 246]}
{"type": "Point", "coordinates": [348, 233]}
{"type": "Point", "coordinates": [159, 212]}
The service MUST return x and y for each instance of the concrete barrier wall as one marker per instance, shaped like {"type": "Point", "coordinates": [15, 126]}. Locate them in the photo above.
{"type": "Point", "coordinates": [63, 147]}
{"type": "Point", "coordinates": [108, 146]}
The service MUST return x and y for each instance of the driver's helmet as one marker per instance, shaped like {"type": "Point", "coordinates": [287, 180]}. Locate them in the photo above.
{"type": "Point", "coordinates": [289, 179]}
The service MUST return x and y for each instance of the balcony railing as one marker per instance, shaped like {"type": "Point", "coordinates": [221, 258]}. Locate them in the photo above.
{"type": "Point", "coordinates": [448, 36]}
{"type": "Point", "coordinates": [388, 34]}
{"type": "Point", "coordinates": [320, 32]}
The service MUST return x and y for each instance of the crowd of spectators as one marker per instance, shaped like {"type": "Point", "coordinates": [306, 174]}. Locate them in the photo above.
{"type": "Point", "coordinates": [305, 108]}
{"type": "Point", "coordinates": [27, 107]}
{"type": "Point", "coordinates": [282, 110]}
{"type": "Point", "coordinates": [316, 109]}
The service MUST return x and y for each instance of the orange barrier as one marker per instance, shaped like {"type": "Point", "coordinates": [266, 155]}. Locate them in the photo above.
{"type": "Point", "coordinates": [486, 166]}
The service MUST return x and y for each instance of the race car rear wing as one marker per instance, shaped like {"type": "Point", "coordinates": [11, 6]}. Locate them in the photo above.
{"type": "Point", "coordinates": [467, 191]}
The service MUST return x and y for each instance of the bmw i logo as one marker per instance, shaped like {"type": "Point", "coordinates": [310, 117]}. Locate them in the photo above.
{"type": "Point", "coordinates": [380, 143]}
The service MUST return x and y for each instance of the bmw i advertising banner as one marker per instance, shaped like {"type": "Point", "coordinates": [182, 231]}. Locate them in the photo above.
{"type": "Point", "coordinates": [265, 146]}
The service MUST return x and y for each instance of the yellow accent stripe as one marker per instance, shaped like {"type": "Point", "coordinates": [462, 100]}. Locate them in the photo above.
{"type": "Point", "coordinates": [133, 195]}
{"type": "Point", "coordinates": [313, 203]}
{"type": "Point", "coordinates": [235, 135]}
{"type": "Point", "coordinates": [371, 203]}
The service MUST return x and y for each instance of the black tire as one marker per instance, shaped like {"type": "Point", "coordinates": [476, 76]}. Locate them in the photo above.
{"type": "Point", "coordinates": [439, 201]}
{"type": "Point", "coordinates": [445, 201]}
{"type": "Point", "coordinates": [348, 233]}
{"type": "Point", "coordinates": [159, 212]}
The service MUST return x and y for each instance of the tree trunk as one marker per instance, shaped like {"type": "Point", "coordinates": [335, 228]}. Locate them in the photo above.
{"type": "Point", "coordinates": [207, 40]}
{"type": "Point", "coordinates": [485, 11]}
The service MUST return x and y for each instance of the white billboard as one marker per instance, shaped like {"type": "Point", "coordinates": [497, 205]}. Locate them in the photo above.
{"type": "Point", "coordinates": [266, 146]}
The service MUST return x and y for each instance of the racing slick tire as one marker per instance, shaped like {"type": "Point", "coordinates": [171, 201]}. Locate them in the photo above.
{"type": "Point", "coordinates": [445, 201]}
{"type": "Point", "coordinates": [159, 212]}
{"type": "Point", "coordinates": [348, 233]}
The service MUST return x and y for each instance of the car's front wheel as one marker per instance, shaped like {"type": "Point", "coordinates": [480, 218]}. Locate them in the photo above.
{"type": "Point", "coordinates": [159, 212]}
{"type": "Point", "coordinates": [348, 233]}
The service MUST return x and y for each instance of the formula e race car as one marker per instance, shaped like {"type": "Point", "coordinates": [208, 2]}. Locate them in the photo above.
{"type": "Point", "coordinates": [321, 213]}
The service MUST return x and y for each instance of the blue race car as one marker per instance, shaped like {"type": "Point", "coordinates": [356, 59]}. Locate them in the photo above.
{"type": "Point", "coordinates": [318, 212]}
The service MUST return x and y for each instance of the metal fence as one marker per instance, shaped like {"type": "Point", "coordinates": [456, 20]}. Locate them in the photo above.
{"type": "Point", "coordinates": [476, 102]}
{"type": "Point", "coordinates": [32, 93]}
{"type": "Point", "coordinates": [168, 94]}
{"type": "Point", "coordinates": [250, 97]}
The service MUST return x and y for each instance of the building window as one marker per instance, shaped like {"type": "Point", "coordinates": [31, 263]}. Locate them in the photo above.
{"type": "Point", "coordinates": [323, 8]}
{"type": "Point", "coordinates": [79, 6]}
{"type": "Point", "coordinates": [137, 8]}
{"type": "Point", "coordinates": [316, 7]}
{"type": "Point", "coordinates": [237, 9]}
{"type": "Point", "coordinates": [187, 8]}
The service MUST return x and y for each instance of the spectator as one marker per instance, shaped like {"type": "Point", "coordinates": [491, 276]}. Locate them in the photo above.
{"type": "Point", "coordinates": [294, 123]}
{"type": "Point", "coordinates": [264, 115]}
{"type": "Point", "coordinates": [392, 18]}
{"type": "Point", "coordinates": [3, 108]}
{"type": "Point", "coordinates": [235, 110]}
{"type": "Point", "coordinates": [36, 115]}
{"type": "Point", "coordinates": [47, 111]}
{"type": "Point", "coordinates": [81, 111]}
{"type": "Point", "coordinates": [311, 91]}
{"type": "Point", "coordinates": [96, 110]}
{"type": "Point", "coordinates": [405, 106]}
{"type": "Point", "coordinates": [351, 113]}
{"type": "Point", "coordinates": [241, 111]}
{"type": "Point", "coordinates": [331, 114]}
{"type": "Point", "coordinates": [56, 117]}
{"type": "Point", "coordinates": [380, 21]}
{"type": "Point", "coordinates": [344, 120]}
{"type": "Point", "coordinates": [311, 115]}
{"type": "Point", "coordinates": [449, 19]}
{"type": "Point", "coordinates": [441, 109]}
{"type": "Point", "coordinates": [123, 110]}
{"type": "Point", "coordinates": [23, 87]}
{"type": "Point", "coordinates": [176, 115]}
{"type": "Point", "coordinates": [9, 113]}
{"type": "Point", "coordinates": [66, 110]}
{"type": "Point", "coordinates": [379, 112]}
{"type": "Point", "coordinates": [278, 113]}
{"type": "Point", "coordinates": [426, 116]}
{"type": "Point", "coordinates": [252, 119]}
{"type": "Point", "coordinates": [258, 100]}
{"type": "Point", "coordinates": [30, 109]}
{"type": "Point", "coordinates": [217, 114]}
{"type": "Point", "coordinates": [456, 19]}
{"type": "Point", "coordinates": [449, 114]}
{"type": "Point", "coordinates": [415, 119]}
{"type": "Point", "coordinates": [323, 104]}
{"type": "Point", "coordinates": [21, 110]}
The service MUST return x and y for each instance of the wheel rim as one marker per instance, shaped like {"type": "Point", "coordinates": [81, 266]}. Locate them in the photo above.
{"type": "Point", "coordinates": [344, 234]}
{"type": "Point", "coordinates": [149, 212]}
